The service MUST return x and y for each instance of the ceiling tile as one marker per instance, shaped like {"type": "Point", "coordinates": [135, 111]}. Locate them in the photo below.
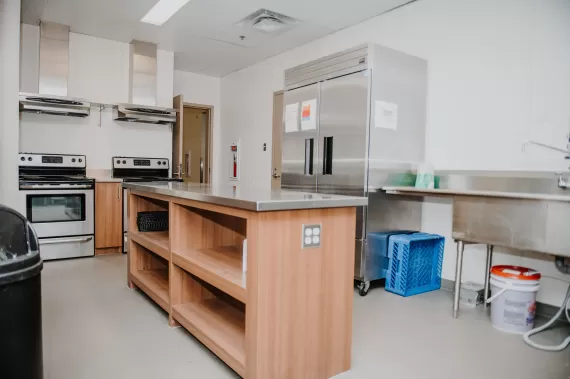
{"type": "Point", "coordinates": [204, 34]}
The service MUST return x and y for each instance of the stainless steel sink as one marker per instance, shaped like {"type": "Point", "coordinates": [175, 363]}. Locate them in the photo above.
{"type": "Point", "coordinates": [520, 210]}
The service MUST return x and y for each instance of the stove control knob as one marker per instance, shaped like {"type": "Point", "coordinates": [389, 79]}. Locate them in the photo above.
{"type": "Point", "coordinates": [30, 159]}
{"type": "Point", "coordinates": [164, 163]}
{"type": "Point", "coordinates": [118, 161]}
{"type": "Point", "coordinates": [159, 162]}
{"type": "Point", "coordinates": [80, 160]}
{"type": "Point", "coordinates": [23, 158]}
{"type": "Point", "coordinates": [124, 162]}
{"type": "Point", "coordinates": [73, 160]}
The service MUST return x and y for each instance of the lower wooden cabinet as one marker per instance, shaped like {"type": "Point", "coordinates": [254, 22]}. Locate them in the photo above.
{"type": "Point", "coordinates": [108, 218]}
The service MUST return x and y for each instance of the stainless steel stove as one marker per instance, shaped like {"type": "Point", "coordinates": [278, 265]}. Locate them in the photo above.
{"type": "Point", "coordinates": [132, 169]}
{"type": "Point", "coordinates": [58, 200]}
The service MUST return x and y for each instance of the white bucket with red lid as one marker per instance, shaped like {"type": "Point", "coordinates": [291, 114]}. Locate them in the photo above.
{"type": "Point", "coordinates": [513, 298]}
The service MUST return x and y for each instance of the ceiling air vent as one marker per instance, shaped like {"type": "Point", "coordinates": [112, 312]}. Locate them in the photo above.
{"type": "Point", "coordinates": [269, 22]}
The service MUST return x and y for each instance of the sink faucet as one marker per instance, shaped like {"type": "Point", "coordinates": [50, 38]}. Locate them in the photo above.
{"type": "Point", "coordinates": [529, 142]}
{"type": "Point", "coordinates": [563, 181]}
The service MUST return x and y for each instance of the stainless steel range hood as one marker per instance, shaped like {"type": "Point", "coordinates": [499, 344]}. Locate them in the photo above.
{"type": "Point", "coordinates": [54, 105]}
{"type": "Point", "coordinates": [53, 70]}
{"type": "Point", "coordinates": [144, 114]}
{"type": "Point", "coordinates": [142, 89]}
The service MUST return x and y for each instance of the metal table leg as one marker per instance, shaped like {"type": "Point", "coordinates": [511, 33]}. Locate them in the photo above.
{"type": "Point", "coordinates": [458, 270]}
{"type": "Point", "coordinates": [488, 272]}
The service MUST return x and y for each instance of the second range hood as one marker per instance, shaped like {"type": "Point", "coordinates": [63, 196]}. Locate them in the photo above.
{"type": "Point", "coordinates": [144, 113]}
{"type": "Point", "coordinates": [142, 89]}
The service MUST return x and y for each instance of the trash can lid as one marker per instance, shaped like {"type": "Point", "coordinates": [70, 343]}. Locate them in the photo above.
{"type": "Point", "coordinates": [19, 248]}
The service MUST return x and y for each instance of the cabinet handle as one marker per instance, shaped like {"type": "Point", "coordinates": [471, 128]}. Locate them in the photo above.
{"type": "Point", "coordinates": [119, 192]}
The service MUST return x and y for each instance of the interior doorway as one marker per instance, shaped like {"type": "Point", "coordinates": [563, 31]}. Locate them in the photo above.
{"type": "Point", "coordinates": [191, 142]}
{"type": "Point", "coordinates": [276, 150]}
{"type": "Point", "coordinates": [194, 144]}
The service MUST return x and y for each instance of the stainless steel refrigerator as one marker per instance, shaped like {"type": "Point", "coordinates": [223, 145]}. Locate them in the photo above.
{"type": "Point", "coordinates": [353, 122]}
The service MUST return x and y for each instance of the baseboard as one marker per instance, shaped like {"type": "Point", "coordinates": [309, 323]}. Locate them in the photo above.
{"type": "Point", "coordinates": [109, 250]}
{"type": "Point", "coordinates": [542, 309]}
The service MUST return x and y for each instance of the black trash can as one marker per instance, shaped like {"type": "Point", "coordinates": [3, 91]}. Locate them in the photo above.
{"type": "Point", "coordinates": [20, 298]}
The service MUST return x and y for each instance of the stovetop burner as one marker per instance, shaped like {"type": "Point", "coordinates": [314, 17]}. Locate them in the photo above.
{"type": "Point", "coordinates": [132, 169]}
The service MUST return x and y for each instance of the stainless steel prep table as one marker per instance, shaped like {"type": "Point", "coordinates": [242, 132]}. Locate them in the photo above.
{"type": "Point", "coordinates": [524, 211]}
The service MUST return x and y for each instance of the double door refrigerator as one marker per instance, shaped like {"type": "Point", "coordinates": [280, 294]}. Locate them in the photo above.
{"type": "Point", "coordinates": [354, 122]}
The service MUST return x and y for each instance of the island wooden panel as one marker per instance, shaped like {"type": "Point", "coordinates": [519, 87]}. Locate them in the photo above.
{"type": "Point", "coordinates": [299, 301]}
{"type": "Point", "coordinates": [289, 316]}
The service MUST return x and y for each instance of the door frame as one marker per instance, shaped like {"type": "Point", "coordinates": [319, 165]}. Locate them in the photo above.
{"type": "Point", "coordinates": [276, 167]}
{"type": "Point", "coordinates": [210, 132]}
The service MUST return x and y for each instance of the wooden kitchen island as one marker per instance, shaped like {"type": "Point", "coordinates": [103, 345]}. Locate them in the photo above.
{"type": "Point", "coordinates": [289, 314]}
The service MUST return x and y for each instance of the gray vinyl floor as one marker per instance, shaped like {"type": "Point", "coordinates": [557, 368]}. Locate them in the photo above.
{"type": "Point", "coordinates": [95, 327]}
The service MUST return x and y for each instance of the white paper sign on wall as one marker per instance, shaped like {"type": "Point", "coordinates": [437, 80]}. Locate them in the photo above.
{"type": "Point", "coordinates": [309, 115]}
{"type": "Point", "coordinates": [385, 115]}
{"type": "Point", "coordinates": [292, 118]}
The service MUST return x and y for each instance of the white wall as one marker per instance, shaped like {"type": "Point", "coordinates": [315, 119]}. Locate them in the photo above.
{"type": "Point", "coordinates": [29, 58]}
{"type": "Point", "coordinates": [499, 73]}
{"type": "Point", "coordinates": [9, 84]}
{"type": "Point", "coordinates": [67, 135]}
{"type": "Point", "coordinates": [204, 90]}
{"type": "Point", "coordinates": [98, 69]}
{"type": "Point", "coordinates": [99, 72]}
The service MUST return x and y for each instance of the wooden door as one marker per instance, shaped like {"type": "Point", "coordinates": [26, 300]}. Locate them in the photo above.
{"type": "Point", "coordinates": [276, 140]}
{"type": "Point", "coordinates": [208, 154]}
{"type": "Point", "coordinates": [177, 137]}
{"type": "Point", "coordinates": [108, 218]}
{"type": "Point", "coordinates": [194, 145]}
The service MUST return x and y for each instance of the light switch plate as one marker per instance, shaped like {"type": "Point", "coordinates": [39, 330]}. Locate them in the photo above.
{"type": "Point", "coordinates": [311, 236]}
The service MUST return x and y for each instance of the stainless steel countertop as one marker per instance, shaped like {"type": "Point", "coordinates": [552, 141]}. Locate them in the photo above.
{"type": "Point", "coordinates": [251, 199]}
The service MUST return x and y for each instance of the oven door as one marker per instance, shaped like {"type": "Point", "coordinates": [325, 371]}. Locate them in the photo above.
{"type": "Point", "coordinates": [60, 213]}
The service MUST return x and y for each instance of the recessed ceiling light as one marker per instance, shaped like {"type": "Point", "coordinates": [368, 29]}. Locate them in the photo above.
{"type": "Point", "coordinates": [162, 11]}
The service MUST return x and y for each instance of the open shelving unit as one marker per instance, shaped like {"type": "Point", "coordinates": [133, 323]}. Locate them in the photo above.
{"type": "Point", "coordinates": [284, 312]}
{"type": "Point", "coordinates": [157, 242]}
{"type": "Point", "coordinates": [150, 273]}
{"type": "Point", "coordinates": [195, 272]}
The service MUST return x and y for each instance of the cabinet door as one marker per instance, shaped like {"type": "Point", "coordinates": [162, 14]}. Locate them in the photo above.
{"type": "Point", "coordinates": [108, 215]}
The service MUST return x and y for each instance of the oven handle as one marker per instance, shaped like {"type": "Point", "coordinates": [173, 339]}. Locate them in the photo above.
{"type": "Point", "coordinates": [44, 187]}
{"type": "Point", "coordinates": [65, 240]}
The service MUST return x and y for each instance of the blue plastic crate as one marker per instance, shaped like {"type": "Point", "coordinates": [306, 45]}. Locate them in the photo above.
{"type": "Point", "coordinates": [415, 262]}
{"type": "Point", "coordinates": [377, 254]}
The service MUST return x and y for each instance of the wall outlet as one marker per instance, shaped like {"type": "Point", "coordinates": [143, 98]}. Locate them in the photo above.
{"type": "Point", "coordinates": [311, 236]}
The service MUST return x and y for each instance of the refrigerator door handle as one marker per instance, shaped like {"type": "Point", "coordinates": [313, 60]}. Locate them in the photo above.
{"type": "Point", "coordinates": [309, 146]}
{"type": "Point", "coordinates": [327, 155]}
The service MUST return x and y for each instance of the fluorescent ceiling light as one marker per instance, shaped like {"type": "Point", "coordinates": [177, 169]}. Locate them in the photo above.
{"type": "Point", "coordinates": [162, 11]}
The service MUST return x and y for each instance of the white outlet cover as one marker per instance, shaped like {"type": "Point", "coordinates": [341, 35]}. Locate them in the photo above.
{"type": "Point", "coordinates": [310, 236]}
